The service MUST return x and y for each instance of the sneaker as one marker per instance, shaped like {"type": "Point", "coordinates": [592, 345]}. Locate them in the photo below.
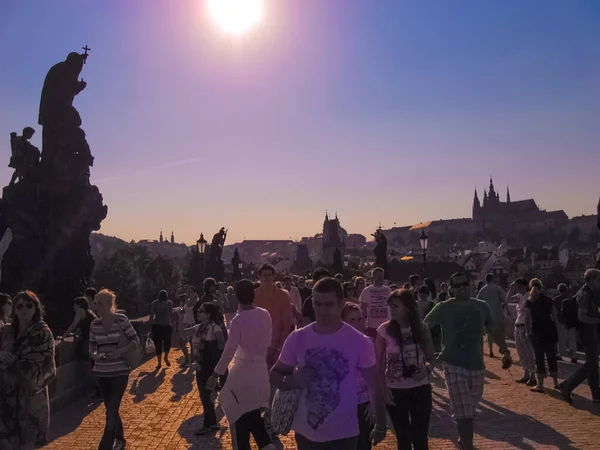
{"type": "Point", "coordinates": [566, 395]}
{"type": "Point", "coordinates": [538, 389]}
{"type": "Point", "coordinates": [523, 380]}
{"type": "Point", "coordinates": [532, 382]}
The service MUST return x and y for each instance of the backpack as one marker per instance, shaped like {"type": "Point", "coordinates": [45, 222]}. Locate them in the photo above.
{"type": "Point", "coordinates": [570, 308]}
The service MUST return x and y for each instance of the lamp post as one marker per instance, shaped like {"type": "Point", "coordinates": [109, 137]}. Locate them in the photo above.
{"type": "Point", "coordinates": [201, 247]}
{"type": "Point", "coordinates": [424, 242]}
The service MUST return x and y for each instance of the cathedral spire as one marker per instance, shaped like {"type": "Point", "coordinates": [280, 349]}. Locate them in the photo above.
{"type": "Point", "coordinates": [326, 215]}
{"type": "Point", "coordinates": [507, 195]}
{"type": "Point", "coordinates": [476, 198]}
{"type": "Point", "coordinates": [160, 239]}
{"type": "Point", "coordinates": [172, 237]}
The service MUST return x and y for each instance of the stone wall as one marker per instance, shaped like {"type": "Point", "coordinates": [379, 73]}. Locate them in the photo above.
{"type": "Point", "coordinates": [73, 374]}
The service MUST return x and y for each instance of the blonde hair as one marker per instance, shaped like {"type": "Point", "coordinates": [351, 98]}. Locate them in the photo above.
{"type": "Point", "coordinates": [535, 288]}
{"type": "Point", "coordinates": [107, 295]}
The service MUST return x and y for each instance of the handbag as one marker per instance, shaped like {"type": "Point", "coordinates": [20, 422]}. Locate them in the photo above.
{"type": "Point", "coordinates": [150, 347]}
{"type": "Point", "coordinates": [133, 357]}
{"type": "Point", "coordinates": [283, 410]}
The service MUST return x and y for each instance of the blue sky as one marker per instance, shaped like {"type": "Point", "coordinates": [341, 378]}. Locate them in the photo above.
{"type": "Point", "coordinates": [388, 111]}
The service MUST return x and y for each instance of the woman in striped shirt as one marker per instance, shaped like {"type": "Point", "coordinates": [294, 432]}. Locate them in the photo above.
{"type": "Point", "coordinates": [111, 337]}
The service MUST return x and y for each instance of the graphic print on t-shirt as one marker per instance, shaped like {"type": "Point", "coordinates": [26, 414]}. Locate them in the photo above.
{"type": "Point", "coordinates": [330, 367]}
{"type": "Point", "coordinates": [394, 362]}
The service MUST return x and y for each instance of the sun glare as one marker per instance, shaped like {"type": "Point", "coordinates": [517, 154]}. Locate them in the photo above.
{"type": "Point", "coordinates": [236, 16]}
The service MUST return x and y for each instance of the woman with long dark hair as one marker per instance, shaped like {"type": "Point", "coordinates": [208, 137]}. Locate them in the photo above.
{"type": "Point", "coordinates": [161, 319]}
{"type": "Point", "coordinates": [540, 324]}
{"type": "Point", "coordinates": [404, 349]}
{"type": "Point", "coordinates": [111, 338]}
{"type": "Point", "coordinates": [26, 368]}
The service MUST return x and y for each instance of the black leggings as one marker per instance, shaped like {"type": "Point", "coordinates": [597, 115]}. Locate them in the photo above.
{"type": "Point", "coordinates": [410, 417]}
{"type": "Point", "coordinates": [112, 390]}
{"type": "Point", "coordinates": [161, 335]}
{"type": "Point", "coordinates": [364, 428]}
{"type": "Point", "coordinates": [251, 423]}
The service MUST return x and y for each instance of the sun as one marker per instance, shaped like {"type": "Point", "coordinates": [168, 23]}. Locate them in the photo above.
{"type": "Point", "coordinates": [236, 16]}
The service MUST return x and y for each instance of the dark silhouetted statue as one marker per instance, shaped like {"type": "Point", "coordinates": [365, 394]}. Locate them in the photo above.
{"type": "Point", "coordinates": [214, 263]}
{"type": "Point", "coordinates": [49, 209]}
{"type": "Point", "coordinates": [380, 250]}
{"type": "Point", "coordinates": [235, 262]}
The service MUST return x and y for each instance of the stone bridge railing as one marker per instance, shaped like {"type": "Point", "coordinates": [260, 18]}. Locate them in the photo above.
{"type": "Point", "coordinates": [73, 374]}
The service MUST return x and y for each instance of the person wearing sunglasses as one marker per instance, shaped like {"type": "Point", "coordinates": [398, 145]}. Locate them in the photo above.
{"type": "Point", "coordinates": [463, 321]}
{"type": "Point", "coordinates": [26, 368]}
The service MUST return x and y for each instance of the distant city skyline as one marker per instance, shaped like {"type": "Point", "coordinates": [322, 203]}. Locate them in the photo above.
{"type": "Point", "coordinates": [390, 114]}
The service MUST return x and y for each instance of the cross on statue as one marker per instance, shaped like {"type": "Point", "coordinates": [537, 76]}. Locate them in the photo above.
{"type": "Point", "coordinates": [86, 49]}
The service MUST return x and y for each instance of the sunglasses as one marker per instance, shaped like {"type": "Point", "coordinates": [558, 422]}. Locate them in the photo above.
{"type": "Point", "coordinates": [459, 285]}
{"type": "Point", "coordinates": [27, 305]}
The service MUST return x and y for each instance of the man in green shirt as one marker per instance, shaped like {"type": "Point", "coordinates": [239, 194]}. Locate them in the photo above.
{"type": "Point", "coordinates": [463, 321]}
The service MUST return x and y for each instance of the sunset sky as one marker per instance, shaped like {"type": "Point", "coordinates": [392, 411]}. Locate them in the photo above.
{"type": "Point", "coordinates": [386, 111]}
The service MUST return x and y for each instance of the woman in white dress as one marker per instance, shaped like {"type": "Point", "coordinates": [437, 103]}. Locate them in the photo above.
{"type": "Point", "coordinates": [247, 389]}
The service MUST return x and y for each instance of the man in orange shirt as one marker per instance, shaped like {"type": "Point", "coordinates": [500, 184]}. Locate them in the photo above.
{"type": "Point", "coordinates": [278, 303]}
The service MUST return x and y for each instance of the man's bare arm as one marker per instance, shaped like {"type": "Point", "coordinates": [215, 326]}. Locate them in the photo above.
{"type": "Point", "coordinates": [373, 380]}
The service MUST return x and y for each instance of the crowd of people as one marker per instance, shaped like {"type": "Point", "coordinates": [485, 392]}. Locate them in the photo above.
{"type": "Point", "coordinates": [339, 363]}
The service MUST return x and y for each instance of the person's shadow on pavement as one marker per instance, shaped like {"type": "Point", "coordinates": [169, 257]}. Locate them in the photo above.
{"type": "Point", "coordinates": [189, 427]}
{"type": "Point", "coordinates": [521, 431]}
{"type": "Point", "coordinates": [146, 383]}
{"type": "Point", "coordinates": [182, 383]}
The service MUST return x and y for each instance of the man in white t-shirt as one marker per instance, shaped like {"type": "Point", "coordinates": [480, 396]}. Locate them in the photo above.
{"type": "Point", "coordinates": [324, 360]}
{"type": "Point", "coordinates": [373, 301]}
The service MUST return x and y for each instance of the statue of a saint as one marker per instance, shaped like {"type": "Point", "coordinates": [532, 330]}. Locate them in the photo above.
{"type": "Point", "coordinates": [24, 156]}
{"type": "Point", "coordinates": [60, 88]}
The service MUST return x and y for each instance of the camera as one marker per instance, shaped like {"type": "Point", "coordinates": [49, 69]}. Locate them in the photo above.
{"type": "Point", "coordinates": [409, 371]}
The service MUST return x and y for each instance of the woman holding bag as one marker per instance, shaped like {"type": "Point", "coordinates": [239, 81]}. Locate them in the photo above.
{"type": "Point", "coordinates": [247, 389]}
{"type": "Point", "coordinates": [113, 342]}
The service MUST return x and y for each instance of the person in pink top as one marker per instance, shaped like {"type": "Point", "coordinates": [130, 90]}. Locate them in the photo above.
{"type": "Point", "coordinates": [324, 361]}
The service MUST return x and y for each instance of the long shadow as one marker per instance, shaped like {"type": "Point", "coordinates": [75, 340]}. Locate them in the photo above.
{"type": "Point", "coordinates": [68, 420]}
{"type": "Point", "coordinates": [182, 383]}
{"type": "Point", "coordinates": [498, 424]}
{"type": "Point", "coordinates": [146, 383]}
{"type": "Point", "coordinates": [190, 426]}
{"type": "Point", "coordinates": [579, 402]}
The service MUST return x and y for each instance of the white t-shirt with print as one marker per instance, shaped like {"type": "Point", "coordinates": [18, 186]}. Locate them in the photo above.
{"type": "Point", "coordinates": [327, 407]}
{"type": "Point", "coordinates": [395, 359]}
{"type": "Point", "coordinates": [375, 300]}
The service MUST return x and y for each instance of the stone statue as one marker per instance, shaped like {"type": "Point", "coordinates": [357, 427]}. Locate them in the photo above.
{"type": "Point", "coordinates": [65, 150]}
{"type": "Point", "coordinates": [24, 155]}
{"type": "Point", "coordinates": [214, 265]}
{"type": "Point", "coordinates": [46, 217]}
{"type": "Point", "coordinates": [235, 262]}
{"type": "Point", "coordinates": [380, 250]}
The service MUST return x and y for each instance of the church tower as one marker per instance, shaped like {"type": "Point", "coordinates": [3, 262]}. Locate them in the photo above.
{"type": "Point", "coordinates": [485, 199]}
{"type": "Point", "coordinates": [494, 198]}
{"type": "Point", "coordinates": [476, 206]}
{"type": "Point", "coordinates": [161, 239]}
{"type": "Point", "coordinates": [507, 195]}
{"type": "Point", "coordinates": [172, 237]}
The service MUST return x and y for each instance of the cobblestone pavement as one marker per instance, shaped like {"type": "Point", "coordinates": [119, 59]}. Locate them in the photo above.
{"type": "Point", "coordinates": [162, 411]}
